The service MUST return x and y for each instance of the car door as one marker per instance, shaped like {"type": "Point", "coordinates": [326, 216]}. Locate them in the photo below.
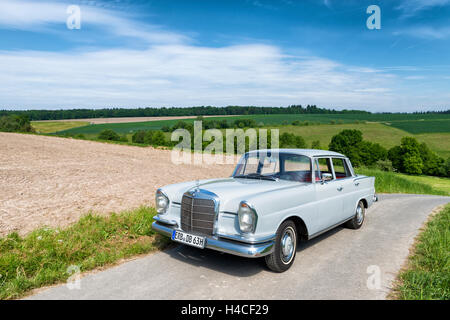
{"type": "Point", "coordinates": [346, 185]}
{"type": "Point", "coordinates": [328, 196]}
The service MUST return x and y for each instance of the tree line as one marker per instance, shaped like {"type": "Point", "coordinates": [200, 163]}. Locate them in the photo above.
{"type": "Point", "coordinates": [172, 111]}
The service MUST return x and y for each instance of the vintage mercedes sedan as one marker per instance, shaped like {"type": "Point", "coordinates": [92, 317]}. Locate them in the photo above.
{"type": "Point", "coordinates": [274, 199]}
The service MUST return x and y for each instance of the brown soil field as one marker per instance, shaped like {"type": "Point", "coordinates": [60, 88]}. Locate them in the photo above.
{"type": "Point", "coordinates": [50, 181]}
{"type": "Point", "coordinates": [130, 119]}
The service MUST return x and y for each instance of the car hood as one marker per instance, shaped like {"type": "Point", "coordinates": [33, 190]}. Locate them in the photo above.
{"type": "Point", "coordinates": [230, 191]}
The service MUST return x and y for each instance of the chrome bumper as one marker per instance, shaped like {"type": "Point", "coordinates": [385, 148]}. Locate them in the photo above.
{"type": "Point", "coordinates": [254, 250]}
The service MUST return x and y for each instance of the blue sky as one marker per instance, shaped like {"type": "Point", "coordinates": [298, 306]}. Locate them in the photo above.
{"type": "Point", "coordinates": [229, 52]}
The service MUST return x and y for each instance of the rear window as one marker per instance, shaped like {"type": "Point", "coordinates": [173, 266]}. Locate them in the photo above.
{"type": "Point", "coordinates": [341, 169]}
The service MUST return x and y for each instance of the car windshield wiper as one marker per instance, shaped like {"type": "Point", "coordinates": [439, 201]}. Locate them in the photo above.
{"type": "Point", "coordinates": [255, 176]}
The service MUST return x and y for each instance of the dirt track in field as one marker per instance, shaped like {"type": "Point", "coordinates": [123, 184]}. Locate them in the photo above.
{"type": "Point", "coordinates": [53, 181]}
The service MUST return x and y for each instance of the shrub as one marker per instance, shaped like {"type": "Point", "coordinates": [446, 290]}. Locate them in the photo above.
{"type": "Point", "coordinates": [15, 123]}
{"type": "Point", "coordinates": [138, 136]}
{"type": "Point", "coordinates": [316, 145]}
{"type": "Point", "coordinates": [80, 136]}
{"type": "Point", "coordinates": [290, 140]}
{"type": "Point", "coordinates": [348, 142]}
{"type": "Point", "coordinates": [414, 158]}
{"type": "Point", "coordinates": [109, 134]}
{"type": "Point", "coordinates": [245, 123]}
{"type": "Point", "coordinates": [384, 165]}
{"type": "Point", "coordinates": [158, 138]}
{"type": "Point", "coordinates": [360, 152]}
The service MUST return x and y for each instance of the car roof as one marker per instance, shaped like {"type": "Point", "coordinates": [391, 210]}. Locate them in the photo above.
{"type": "Point", "coordinates": [304, 152]}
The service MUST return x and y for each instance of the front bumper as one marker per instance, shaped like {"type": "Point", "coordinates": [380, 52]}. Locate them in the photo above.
{"type": "Point", "coordinates": [249, 250]}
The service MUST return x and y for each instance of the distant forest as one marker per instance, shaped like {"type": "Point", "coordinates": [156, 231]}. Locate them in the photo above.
{"type": "Point", "coordinates": [176, 111]}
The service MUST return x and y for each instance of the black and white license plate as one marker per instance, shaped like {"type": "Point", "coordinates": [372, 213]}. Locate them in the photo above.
{"type": "Point", "coordinates": [189, 239]}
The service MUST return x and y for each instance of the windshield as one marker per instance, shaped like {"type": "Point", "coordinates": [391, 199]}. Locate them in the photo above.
{"type": "Point", "coordinates": [273, 166]}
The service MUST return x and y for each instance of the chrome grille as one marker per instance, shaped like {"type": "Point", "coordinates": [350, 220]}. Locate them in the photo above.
{"type": "Point", "coordinates": [197, 215]}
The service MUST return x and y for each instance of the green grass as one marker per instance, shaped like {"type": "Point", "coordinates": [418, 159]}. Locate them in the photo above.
{"type": "Point", "coordinates": [54, 126]}
{"type": "Point", "coordinates": [43, 257]}
{"type": "Point", "coordinates": [437, 183]}
{"type": "Point", "coordinates": [390, 182]}
{"type": "Point", "coordinates": [427, 275]}
{"type": "Point", "coordinates": [428, 126]}
{"type": "Point", "coordinates": [386, 136]}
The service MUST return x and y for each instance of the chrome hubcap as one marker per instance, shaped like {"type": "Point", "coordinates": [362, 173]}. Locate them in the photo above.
{"type": "Point", "coordinates": [288, 245]}
{"type": "Point", "coordinates": [359, 215]}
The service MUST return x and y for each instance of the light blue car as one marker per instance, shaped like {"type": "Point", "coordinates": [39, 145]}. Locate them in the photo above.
{"type": "Point", "coordinates": [274, 199]}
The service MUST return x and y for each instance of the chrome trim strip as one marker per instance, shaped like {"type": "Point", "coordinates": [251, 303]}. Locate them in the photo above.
{"type": "Point", "coordinates": [247, 240]}
{"type": "Point", "coordinates": [169, 222]}
{"type": "Point", "coordinates": [240, 249]}
{"type": "Point", "coordinates": [229, 212]}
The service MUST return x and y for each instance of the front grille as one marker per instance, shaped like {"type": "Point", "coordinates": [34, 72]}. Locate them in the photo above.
{"type": "Point", "coordinates": [197, 215]}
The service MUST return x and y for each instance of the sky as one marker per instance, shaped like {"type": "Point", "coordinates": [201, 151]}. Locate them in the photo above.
{"type": "Point", "coordinates": [163, 53]}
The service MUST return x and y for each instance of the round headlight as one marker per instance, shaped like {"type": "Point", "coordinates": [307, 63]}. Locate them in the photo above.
{"type": "Point", "coordinates": [161, 201]}
{"type": "Point", "coordinates": [247, 217]}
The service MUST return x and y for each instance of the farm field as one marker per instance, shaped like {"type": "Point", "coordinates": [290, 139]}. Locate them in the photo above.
{"type": "Point", "coordinates": [375, 132]}
{"type": "Point", "coordinates": [267, 120]}
{"type": "Point", "coordinates": [53, 181]}
{"type": "Point", "coordinates": [53, 126]}
{"type": "Point", "coordinates": [319, 127]}
{"type": "Point", "coordinates": [428, 126]}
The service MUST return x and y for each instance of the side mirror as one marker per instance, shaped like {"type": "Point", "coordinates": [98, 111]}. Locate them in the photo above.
{"type": "Point", "coordinates": [326, 177]}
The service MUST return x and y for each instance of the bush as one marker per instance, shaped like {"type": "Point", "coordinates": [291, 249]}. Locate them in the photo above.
{"type": "Point", "coordinates": [151, 137]}
{"type": "Point", "coordinates": [138, 136]}
{"type": "Point", "coordinates": [109, 134]}
{"type": "Point", "coordinates": [158, 139]}
{"type": "Point", "coordinates": [80, 136]}
{"type": "Point", "coordinates": [384, 165]}
{"type": "Point", "coordinates": [290, 140]}
{"type": "Point", "coordinates": [245, 123]}
{"type": "Point", "coordinates": [414, 158]}
{"type": "Point", "coordinates": [316, 145]}
{"type": "Point", "coordinates": [360, 152]}
{"type": "Point", "coordinates": [15, 123]}
{"type": "Point", "coordinates": [348, 142]}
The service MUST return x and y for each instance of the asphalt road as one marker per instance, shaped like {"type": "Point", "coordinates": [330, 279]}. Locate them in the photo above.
{"type": "Point", "coordinates": [337, 265]}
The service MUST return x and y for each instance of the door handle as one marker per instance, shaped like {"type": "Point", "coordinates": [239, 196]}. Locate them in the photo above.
{"type": "Point", "coordinates": [356, 183]}
{"type": "Point", "coordinates": [340, 188]}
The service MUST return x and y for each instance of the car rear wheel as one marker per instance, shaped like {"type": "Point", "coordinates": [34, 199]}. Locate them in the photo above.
{"type": "Point", "coordinates": [359, 217]}
{"type": "Point", "coordinates": [283, 255]}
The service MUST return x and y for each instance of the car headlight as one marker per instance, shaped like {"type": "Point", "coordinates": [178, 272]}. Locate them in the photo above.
{"type": "Point", "coordinates": [247, 217]}
{"type": "Point", "coordinates": [162, 202]}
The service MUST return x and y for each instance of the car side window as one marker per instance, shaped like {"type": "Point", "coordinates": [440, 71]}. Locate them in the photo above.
{"type": "Point", "coordinates": [324, 167]}
{"type": "Point", "coordinates": [341, 169]}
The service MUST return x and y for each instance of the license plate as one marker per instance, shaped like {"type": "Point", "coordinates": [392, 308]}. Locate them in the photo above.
{"type": "Point", "coordinates": [189, 239]}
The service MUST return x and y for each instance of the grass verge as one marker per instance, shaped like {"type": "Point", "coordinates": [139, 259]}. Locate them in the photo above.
{"type": "Point", "coordinates": [427, 275]}
{"type": "Point", "coordinates": [390, 182]}
{"type": "Point", "coordinates": [43, 257]}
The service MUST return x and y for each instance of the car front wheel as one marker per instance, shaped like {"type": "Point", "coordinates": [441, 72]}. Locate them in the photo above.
{"type": "Point", "coordinates": [282, 258]}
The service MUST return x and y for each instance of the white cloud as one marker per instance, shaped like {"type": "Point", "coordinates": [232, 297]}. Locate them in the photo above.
{"type": "Point", "coordinates": [410, 8]}
{"type": "Point", "coordinates": [185, 75]}
{"type": "Point", "coordinates": [42, 16]}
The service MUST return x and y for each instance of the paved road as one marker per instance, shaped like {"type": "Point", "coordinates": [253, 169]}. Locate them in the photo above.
{"type": "Point", "coordinates": [332, 266]}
